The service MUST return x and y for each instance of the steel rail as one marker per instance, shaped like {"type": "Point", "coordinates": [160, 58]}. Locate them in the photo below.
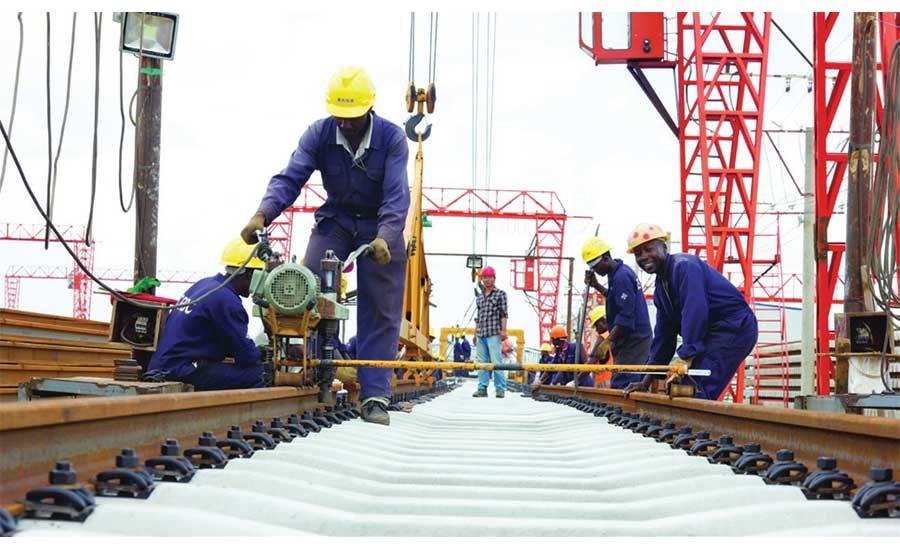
{"type": "Point", "coordinates": [527, 367]}
{"type": "Point", "coordinates": [857, 442]}
{"type": "Point", "coordinates": [90, 432]}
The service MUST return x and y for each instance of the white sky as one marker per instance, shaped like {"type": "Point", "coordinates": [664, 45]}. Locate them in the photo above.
{"type": "Point", "coordinates": [232, 116]}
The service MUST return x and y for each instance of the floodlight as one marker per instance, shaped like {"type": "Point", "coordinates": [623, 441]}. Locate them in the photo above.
{"type": "Point", "coordinates": [159, 30]}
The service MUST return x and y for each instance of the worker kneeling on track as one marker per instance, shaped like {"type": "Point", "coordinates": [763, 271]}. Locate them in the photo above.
{"type": "Point", "coordinates": [197, 338]}
{"type": "Point", "coordinates": [601, 354]}
{"type": "Point", "coordinates": [546, 359]}
{"type": "Point", "coordinates": [718, 329]}
{"type": "Point", "coordinates": [362, 159]}
{"type": "Point", "coordinates": [626, 312]}
{"type": "Point", "coordinates": [568, 353]}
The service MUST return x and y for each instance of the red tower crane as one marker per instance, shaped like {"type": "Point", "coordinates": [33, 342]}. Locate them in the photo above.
{"type": "Point", "coordinates": [544, 207]}
{"type": "Point", "coordinates": [721, 95]}
{"type": "Point", "coordinates": [80, 282]}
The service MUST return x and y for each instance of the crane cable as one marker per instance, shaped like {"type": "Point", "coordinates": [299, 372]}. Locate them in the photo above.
{"type": "Point", "coordinates": [62, 131]}
{"type": "Point", "coordinates": [12, 115]}
{"type": "Point", "coordinates": [49, 139]}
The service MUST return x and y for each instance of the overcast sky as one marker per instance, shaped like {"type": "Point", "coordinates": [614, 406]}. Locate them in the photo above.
{"type": "Point", "coordinates": [242, 89]}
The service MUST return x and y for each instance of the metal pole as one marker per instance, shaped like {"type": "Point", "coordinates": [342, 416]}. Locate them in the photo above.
{"type": "Point", "coordinates": [862, 81]}
{"type": "Point", "coordinates": [808, 332]}
{"type": "Point", "coordinates": [146, 166]}
{"type": "Point", "coordinates": [569, 300]}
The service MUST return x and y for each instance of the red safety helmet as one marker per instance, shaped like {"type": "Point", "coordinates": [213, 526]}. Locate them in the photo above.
{"type": "Point", "coordinates": [488, 271]}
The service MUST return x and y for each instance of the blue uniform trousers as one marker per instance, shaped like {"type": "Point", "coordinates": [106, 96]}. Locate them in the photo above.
{"type": "Point", "coordinates": [379, 293]}
{"type": "Point", "coordinates": [218, 376]}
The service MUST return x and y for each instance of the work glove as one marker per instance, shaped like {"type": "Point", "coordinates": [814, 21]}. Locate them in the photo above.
{"type": "Point", "coordinates": [256, 223]}
{"type": "Point", "coordinates": [381, 254]}
{"type": "Point", "coordinates": [679, 362]}
{"type": "Point", "coordinates": [601, 350]}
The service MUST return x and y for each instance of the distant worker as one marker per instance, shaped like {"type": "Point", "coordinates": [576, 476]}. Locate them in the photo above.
{"type": "Point", "coordinates": [197, 339]}
{"type": "Point", "coordinates": [462, 352]}
{"type": "Point", "coordinates": [490, 331]}
{"type": "Point", "coordinates": [362, 159]}
{"type": "Point", "coordinates": [568, 353]}
{"type": "Point", "coordinates": [630, 334]}
{"type": "Point", "coordinates": [601, 354]}
{"type": "Point", "coordinates": [718, 329]}
{"type": "Point", "coordinates": [546, 358]}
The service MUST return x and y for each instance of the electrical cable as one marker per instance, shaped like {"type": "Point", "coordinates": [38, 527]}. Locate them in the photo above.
{"type": "Point", "coordinates": [476, 31]}
{"type": "Point", "coordinates": [12, 115]}
{"type": "Point", "coordinates": [49, 139]}
{"type": "Point", "coordinates": [788, 38]}
{"type": "Point", "coordinates": [881, 254]}
{"type": "Point", "coordinates": [98, 28]}
{"type": "Point", "coordinates": [786, 167]}
{"type": "Point", "coordinates": [118, 295]}
{"type": "Point", "coordinates": [62, 131]}
{"type": "Point", "coordinates": [125, 209]}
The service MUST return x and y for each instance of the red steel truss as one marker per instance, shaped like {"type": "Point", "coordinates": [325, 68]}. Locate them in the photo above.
{"type": "Point", "coordinates": [74, 235]}
{"type": "Point", "coordinates": [544, 207]}
{"type": "Point", "coordinates": [720, 120]}
{"type": "Point", "coordinates": [15, 274]}
{"type": "Point", "coordinates": [830, 79]}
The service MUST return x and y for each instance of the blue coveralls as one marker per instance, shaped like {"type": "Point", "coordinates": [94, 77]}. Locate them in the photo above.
{"type": "Point", "coordinates": [717, 327]}
{"type": "Point", "coordinates": [197, 338]}
{"type": "Point", "coordinates": [627, 308]}
{"type": "Point", "coordinates": [367, 198]}
{"type": "Point", "coordinates": [566, 355]}
{"type": "Point", "coordinates": [462, 352]}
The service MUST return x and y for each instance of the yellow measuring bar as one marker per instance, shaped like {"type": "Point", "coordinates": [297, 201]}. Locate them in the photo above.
{"type": "Point", "coordinates": [528, 367]}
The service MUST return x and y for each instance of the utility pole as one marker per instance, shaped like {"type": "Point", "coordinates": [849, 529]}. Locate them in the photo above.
{"type": "Point", "coordinates": [146, 166]}
{"type": "Point", "coordinates": [808, 331]}
{"type": "Point", "coordinates": [862, 104]}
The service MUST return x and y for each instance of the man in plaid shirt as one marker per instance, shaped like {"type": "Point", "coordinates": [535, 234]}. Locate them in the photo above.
{"type": "Point", "coordinates": [490, 331]}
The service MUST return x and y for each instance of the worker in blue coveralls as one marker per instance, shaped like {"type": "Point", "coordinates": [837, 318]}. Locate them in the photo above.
{"type": "Point", "coordinates": [627, 317]}
{"type": "Point", "coordinates": [462, 352]}
{"type": "Point", "coordinates": [718, 329]}
{"type": "Point", "coordinates": [197, 339]}
{"type": "Point", "coordinates": [546, 358]}
{"type": "Point", "coordinates": [363, 162]}
{"type": "Point", "coordinates": [568, 353]}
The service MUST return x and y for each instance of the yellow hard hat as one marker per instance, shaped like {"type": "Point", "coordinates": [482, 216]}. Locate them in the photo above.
{"type": "Point", "coordinates": [350, 93]}
{"type": "Point", "coordinates": [237, 251]}
{"type": "Point", "coordinates": [593, 248]}
{"type": "Point", "coordinates": [546, 347]}
{"type": "Point", "coordinates": [645, 232]}
{"type": "Point", "coordinates": [597, 313]}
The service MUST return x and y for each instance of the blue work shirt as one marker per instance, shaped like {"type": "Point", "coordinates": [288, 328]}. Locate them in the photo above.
{"type": "Point", "coordinates": [625, 304]}
{"type": "Point", "coordinates": [209, 331]}
{"type": "Point", "coordinates": [373, 187]}
{"type": "Point", "coordinates": [566, 356]}
{"type": "Point", "coordinates": [693, 299]}
{"type": "Point", "coordinates": [462, 351]}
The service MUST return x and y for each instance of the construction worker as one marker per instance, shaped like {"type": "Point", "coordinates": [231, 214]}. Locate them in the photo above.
{"type": "Point", "coordinates": [546, 358]}
{"type": "Point", "coordinates": [490, 331]}
{"type": "Point", "coordinates": [568, 353]}
{"type": "Point", "coordinates": [363, 162]}
{"type": "Point", "coordinates": [718, 329]}
{"type": "Point", "coordinates": [601, 353]}
{"type": "Point", "coordinates": [462, 352]}
{"type": "Point", "coordinates": [630, 334]}
{"type": "Point", "coordinates": [196, 339]}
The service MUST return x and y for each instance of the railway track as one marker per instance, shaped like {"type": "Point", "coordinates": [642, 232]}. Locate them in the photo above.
{"type": "Point", "coordinates": [458, 466]}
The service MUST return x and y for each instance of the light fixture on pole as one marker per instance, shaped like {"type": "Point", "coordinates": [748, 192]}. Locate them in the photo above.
{"type": "Point", "coordinates": [150, 34]}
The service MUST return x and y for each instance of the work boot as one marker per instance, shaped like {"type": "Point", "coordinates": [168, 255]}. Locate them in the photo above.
{"type": "Point", "coordinates": [374, 411]}
{"type": "Point", "coordinates": [482, 392]}
{"type": "Point", "coordinates": [500, 394]}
